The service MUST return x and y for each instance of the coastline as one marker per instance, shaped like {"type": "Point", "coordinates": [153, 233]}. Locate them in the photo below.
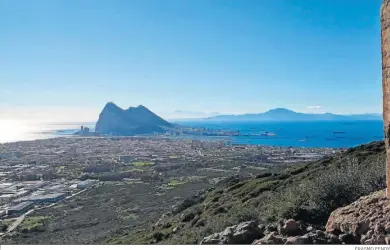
{"type": "Point", "coordinates": [279, 134]}
{"type": "Point", "coordinates": [227, 140]}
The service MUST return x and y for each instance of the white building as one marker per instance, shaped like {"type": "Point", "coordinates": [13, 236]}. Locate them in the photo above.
{"type": "Point", "coordinates": [84, 184]}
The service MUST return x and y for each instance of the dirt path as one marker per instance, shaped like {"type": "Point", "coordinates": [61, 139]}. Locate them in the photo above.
{"type": "Point", "coordinates": [18, 221]}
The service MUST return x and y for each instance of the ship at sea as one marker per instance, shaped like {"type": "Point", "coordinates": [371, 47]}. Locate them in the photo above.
{"type": "Point", "coordinates": [266, 133]}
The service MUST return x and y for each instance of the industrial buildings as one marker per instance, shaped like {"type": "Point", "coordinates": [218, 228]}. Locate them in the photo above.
{"type": "Point", "coordinates": [20, 208]}
{"type": "Point", "coordinates": [84, 184]}
{"type": "Point", "coordinates": [48, 198]}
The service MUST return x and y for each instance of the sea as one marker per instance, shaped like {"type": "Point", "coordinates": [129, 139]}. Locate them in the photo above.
{"type": "Point", "coordinates": [310, 134]}
{"type": "Point", "coordinates": [315, 134]}
{"type": "Point", "coordinates": [27, 130]}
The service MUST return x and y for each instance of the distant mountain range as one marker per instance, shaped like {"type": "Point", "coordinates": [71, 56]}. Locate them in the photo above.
{"type": "Point", "coordinates": [132, 121]}
{"type": "Point", "coordinates": [281, 114]}
{"type": "Point", "coordinates": [140, 120]}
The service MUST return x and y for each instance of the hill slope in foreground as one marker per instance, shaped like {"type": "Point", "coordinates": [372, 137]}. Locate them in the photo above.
{"type": "Point", "coordinates": [307, 193]}
{"type": "Point", "coordinates": [234, 211]}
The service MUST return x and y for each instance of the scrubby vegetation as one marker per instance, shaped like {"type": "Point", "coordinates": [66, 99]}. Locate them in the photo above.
{"type": "Point", "coordinates": [175, 182]}
{"type": "Point", "coordinates": [142, 163]}
{"type": "Point", "coordinates": [314, 199]}
{"type": "Point", "coordinates": [33, 224]}
{"type": "Point", "coordinates": [128, 211]}
{"type": "Point", "coordinates": [307, 192]}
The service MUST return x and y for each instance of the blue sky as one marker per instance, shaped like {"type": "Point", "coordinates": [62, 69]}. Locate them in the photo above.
{"type": "Point", "coordinates": [224, 56]}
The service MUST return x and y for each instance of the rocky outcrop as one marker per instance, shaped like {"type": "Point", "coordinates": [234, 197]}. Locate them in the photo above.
{"type": "Point", "coordinates": [132, 121]}
{"type": "Point", "coordinates": [315, 237]}
{"type": "Point", "coordinates": [244, 233]}
{"type": "Point", "coordinates": [365, 221]}
{"type": "Point", "coordinates": [252, 233]}
{"type": "Point", "coordinates": [292, 232]}
{"type": "Point", "coordinates": [270, 239]}
{"type": "Point", "coordinates": [385, 35]}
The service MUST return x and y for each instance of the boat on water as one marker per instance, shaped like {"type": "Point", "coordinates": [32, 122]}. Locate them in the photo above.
{"type": "Point", "coordinates": [338, 132]}
{"type": "Point", "coordinates": [267, 134]}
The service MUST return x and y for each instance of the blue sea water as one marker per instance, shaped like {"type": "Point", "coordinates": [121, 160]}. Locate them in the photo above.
{"type": "Point", "coordinates": [295, 134]}
{"type": "Point", "coordinates": [302, 134]}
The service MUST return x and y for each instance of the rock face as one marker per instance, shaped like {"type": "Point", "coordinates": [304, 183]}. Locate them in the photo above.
{"type": "Point", "coordinates": [251, 233]}
{"type": "Point", "coordinates": [270, 239]}
{"type": "Point", "coordinates": [385, 34]}
{"type": "Point", "coordinates": [366, 221]}
{"type": "Point", "coordinates": [132, 121]}
{"type": "Point", "coordinates": [244, 233]}
{"type": "Point", "coordinates": [291, 232]}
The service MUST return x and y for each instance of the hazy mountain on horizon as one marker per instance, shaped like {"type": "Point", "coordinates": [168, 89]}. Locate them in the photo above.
{"type": "Point", "coordinates": [283, 114]}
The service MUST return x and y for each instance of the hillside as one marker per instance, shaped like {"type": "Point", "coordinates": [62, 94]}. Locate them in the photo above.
{"type": "Point", "coordinates": [281, 114]}
{"type": "Point", "coordinates": [305, 192]}
{"type": "Point", "coordinates": [126, 205]}
{"type": "Point", "coordinates": [132, 121]}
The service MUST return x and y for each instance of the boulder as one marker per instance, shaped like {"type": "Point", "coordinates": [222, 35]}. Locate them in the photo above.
{"type": "Point", "coordinates": [212, 239]}
{"type": "Point", "coordinates": [365, 221]}
{"type": "Point", "coordinates": [246, 232]}
{"type": "Point", "coordinates": [289, 227]}
{"type": "Point", "coordinates": [243, 233]}
{"type": "Point", "coordinates": [296, 240]}
{"type": "Point", "coordinates": [270, 239]}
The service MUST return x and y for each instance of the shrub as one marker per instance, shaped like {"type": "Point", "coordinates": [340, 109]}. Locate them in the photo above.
{"type": "Point", "coordinates": [33, 224]}
{"type": "Point", "coordinates": [313, 200]}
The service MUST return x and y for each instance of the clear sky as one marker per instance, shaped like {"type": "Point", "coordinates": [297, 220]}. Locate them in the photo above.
{"type": "Point", "coordinates": [229, 56]}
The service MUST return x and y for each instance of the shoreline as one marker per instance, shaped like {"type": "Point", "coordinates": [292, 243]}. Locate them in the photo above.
{"type": "Point", "coordinates": [180, 138]}
{"type": "Point", "coordinates": [296, 135]}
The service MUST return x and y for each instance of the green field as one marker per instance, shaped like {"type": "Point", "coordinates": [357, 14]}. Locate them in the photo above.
{"type": "Point", "coordinates": [142, 163]}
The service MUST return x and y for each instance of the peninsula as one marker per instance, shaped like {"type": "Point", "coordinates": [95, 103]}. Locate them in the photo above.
{"type": "Point", "coordinates": [132, 121]}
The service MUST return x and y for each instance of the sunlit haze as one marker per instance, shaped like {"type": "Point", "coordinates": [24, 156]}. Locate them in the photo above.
{"type": "Point", "coordinates": [196, 56]}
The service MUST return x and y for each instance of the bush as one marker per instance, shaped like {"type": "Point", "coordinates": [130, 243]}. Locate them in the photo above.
{"type": "Point", "coordinates": [191, 213]}
{"type": "Point", "coordinates": [33, 224]}
{"type": "Point", "coordinates": [313, 200]}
